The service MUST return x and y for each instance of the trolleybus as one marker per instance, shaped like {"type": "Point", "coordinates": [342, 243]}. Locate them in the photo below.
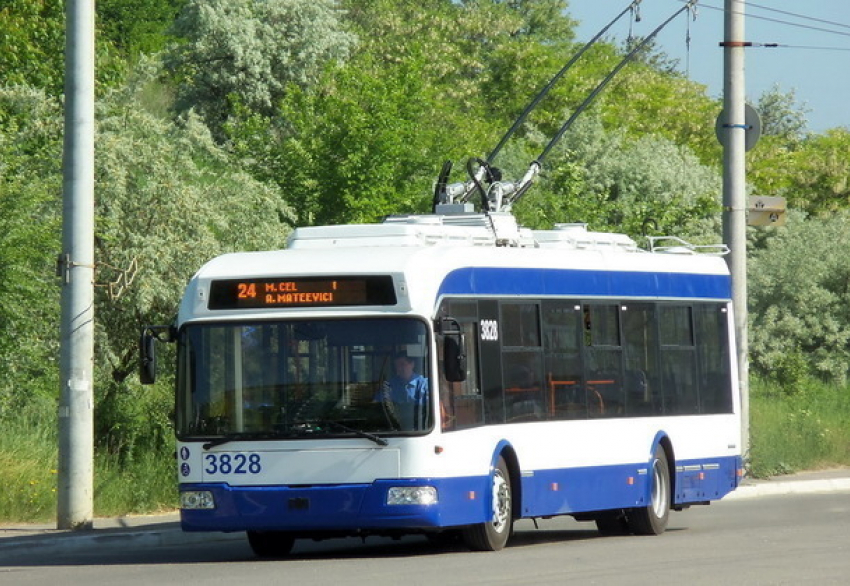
{"type": "Point", "coordinates": [554, 372]}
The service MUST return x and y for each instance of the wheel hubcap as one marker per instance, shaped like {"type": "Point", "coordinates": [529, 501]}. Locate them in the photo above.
{"type": "Point", "coordinates": [660, 498]}
{"type": "Point", "coordinates": [501, 501]}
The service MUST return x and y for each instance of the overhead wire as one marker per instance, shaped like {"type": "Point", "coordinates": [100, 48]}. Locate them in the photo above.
{"type": "Point", "coordinates": [795, 15]}
{"type": "Point", "coordinates": [750, 16]}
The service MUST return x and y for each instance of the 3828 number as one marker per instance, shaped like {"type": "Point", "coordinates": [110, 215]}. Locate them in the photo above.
{"type": "Point", "coordinates": [233, 464]}
{"type": "Point", "coordinates": [489, 330]}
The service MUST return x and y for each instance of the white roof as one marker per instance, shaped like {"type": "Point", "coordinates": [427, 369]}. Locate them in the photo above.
{"type": "Point", "coordinates": [421, 253]}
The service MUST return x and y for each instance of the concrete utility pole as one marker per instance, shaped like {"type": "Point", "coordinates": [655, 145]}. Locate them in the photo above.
{"type": "Point", "coordinates": [76, 268]}
{"type": "Point", "coordinates": [734, 193]}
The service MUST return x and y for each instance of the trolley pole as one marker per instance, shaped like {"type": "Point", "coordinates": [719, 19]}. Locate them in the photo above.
{"type": "Point", "coordinates": [734, 194]}
{"type": "Point", "coordinates": [75, 495]}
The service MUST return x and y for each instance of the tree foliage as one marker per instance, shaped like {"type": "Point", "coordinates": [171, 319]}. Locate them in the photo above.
{"type": "Point", "coordinates": [647, 187]}
{"type": "Point", "coordinates": [812, 173]}
{"type": "Point", "coordinates": [367, 145]}
{"type": "Point", "coordinates": [32, 43]}
{"type": "Point", "coordinates": [169, 199]}
{"type": "Point", "coordinates": [149, 174]}
{"type": "Point", "coordinates": [781, 116]}
{"type": "Point", "coordinates": [30, 179]}
{"type": "Point", "coordinates": [137, 27]}
{"type": "Point", "coordinates": [250, 51]}
{"type": "Point", "coordinates": [821, 178]}
{"type": "Point", "coordinates": [799, 299]}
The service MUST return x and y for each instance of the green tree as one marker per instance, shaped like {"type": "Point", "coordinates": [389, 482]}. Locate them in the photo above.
{"type": "Point", "coordinates": [772, 165]}
{"type": "Point", "coordinates": [812, 173]}
{"type": "Point", "coordinates": [137, 27]}
{"type": "Point", "coordinates": [368, 146]}
{"type": "Point", "coordinates": [781, 116]}
{"type": "Point", "coordinates": [168, 200]}
{"type": "Point", "coordinates": [30, 183]}
{"type": "Point", "coordinates": [247, 52]}
{"type": "Point", "coordinates": [821, 180]}
{"type": "Point", "coordinates": [32, 43]}
{"type": "Point", "coordinates": [799, 298]}
{"type": "Point", "coordinates": [649, 186]}
{"type": "Point", "coordinates": [369, 139]}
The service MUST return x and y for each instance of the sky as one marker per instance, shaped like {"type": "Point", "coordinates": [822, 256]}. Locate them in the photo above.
{"type": "Point", "coordinates": [813, 59]}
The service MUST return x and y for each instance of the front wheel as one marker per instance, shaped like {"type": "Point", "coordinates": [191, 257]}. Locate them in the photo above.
{"type": "Point", "coordinates": [652, 519]}
{"type": "Point", "coordinates": [493, 535]}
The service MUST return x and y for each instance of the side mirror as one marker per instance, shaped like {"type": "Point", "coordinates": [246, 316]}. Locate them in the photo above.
{"type": "Point", "coordinates": [454, 354]}
{"type": "Point", "coordinates": [147, 351]}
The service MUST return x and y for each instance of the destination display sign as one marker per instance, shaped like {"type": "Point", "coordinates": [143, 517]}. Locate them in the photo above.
{"type": "Point", "coordinates": [301, 292]}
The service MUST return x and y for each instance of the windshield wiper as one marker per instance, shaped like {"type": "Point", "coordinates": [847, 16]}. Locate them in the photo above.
{"type": "Point", "coordinates": [220, 441]}
{"type": "Point", "coordinates": [315, 426]}
{"type": "Point", "coordinates": [358, 432]}
{"type": "Point", "coordinates": [233, 437]}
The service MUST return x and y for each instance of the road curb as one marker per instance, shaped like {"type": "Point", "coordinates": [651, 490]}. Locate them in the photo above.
{"type": "Point", "coordinates": [47, 544]}
{"type": "Point", "coordinates": [776, 488]}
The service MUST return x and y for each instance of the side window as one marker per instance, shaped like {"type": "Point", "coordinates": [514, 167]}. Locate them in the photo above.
{"type": "Point", "coordinates": [522, 362]}
{"type": "Point", "coordinates": [601, 325]}
{"type": "Point", "coordinates": [564, 381]}
{"type": "Point", "coordinates": [676, 326]}
{"type": "Point", "coordinates": [712, 339]}
{"type": "Point", "coordinates": [603, 358]}
{"type": "Point", "coordinates": [461, 402]}
{"type": "Point", "coordinates": [641, 379]}
{"type": "Point", "coordinates": [678, 360]}
{"type": "Point", "coordinates": [520, 325]}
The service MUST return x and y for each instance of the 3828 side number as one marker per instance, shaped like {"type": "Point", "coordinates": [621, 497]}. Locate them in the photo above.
{"type": "Point", "coordinates": [233, 464]}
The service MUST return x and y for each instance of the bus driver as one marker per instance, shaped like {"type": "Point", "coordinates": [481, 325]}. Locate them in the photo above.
{"type": "Point", "coordinates": [407, 386]}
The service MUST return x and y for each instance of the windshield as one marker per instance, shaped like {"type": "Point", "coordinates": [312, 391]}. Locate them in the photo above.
{"type": "Point", "coordinates": [297, 379]}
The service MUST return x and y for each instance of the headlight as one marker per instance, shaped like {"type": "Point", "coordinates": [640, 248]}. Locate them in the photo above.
{"type": "Point", "coordinates": [412, 495]}
{"type": "Point", "coordinates": [197, 499]}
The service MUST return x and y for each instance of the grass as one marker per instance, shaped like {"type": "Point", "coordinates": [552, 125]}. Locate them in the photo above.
{"type": "Point", "coordinates": [28, 465]}
{"type": "Point", "coordinates": [801, 429]}
{"type": "Point", "coordinates": [28, 474]}
{"type": "Point", "coordinates": [804, 428]}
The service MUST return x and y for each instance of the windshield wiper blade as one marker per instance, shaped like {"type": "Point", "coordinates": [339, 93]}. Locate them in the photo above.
{"type": "Point", "coordinates": [358, 432]}
{"type": "Point", "coordinates": [295, 432]}
{"type": "Point", "coordinates": [233, 437]}
{"type": "Point", "coordinates": [220, 441]}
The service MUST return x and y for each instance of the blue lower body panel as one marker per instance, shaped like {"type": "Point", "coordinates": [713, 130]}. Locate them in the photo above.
{"type": "Point", "coordinates": [351, 507]}
{"type": "Point", "coordinates": [461, 501]}
{"type": "Point", "coordinates": [698, 481]}
{"type": "Point", "coordinates": [583, 490]}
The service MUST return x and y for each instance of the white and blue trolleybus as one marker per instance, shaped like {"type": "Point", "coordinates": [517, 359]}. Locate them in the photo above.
{"type": "Point", "coordinates": [448, 374]}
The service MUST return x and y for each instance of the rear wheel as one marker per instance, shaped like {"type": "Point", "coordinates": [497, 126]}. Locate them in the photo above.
{"type": "Point", "coordinates": [493, 535]}
{"type": "Point", "coordinates": [652, 519]}
{"type": "Point", "coordinates": [271, 544]}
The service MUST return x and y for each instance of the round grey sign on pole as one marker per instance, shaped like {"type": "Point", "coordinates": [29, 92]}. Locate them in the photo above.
{"type": "Point", "coordinates": [752, 127]}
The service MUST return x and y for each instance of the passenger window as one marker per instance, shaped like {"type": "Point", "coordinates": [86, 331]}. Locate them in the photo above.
{"type": "Point", "coordinates": [520, 325]}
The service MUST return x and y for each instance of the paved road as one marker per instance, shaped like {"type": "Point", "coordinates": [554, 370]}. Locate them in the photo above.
{"type": "Point", "coordinates": [801, 534]}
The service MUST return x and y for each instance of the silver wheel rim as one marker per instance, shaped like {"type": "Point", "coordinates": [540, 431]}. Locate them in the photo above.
{"type": "Point", "coordinates": [501, 501]}
{"type": "Point", "coordinates": [660, 498]}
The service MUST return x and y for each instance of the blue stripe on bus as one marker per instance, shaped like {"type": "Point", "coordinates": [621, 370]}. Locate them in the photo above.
{"type": "Point", "coordinates": [574, 282]}
{"type": "Point", "coordinates": [462, 501]}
